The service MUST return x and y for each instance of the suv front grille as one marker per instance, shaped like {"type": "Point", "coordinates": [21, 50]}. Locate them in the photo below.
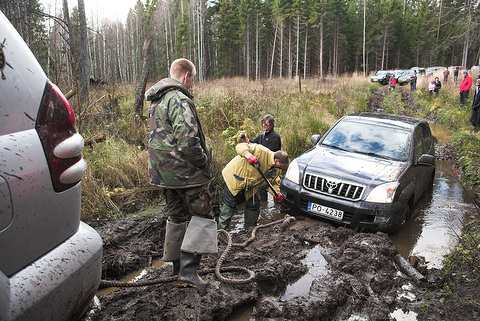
{"type": "Point", "coordinates": [333, 187]}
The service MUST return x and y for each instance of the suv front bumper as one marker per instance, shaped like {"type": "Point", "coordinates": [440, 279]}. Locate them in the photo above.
{"type": "Point", "coordinates": [359, 215]}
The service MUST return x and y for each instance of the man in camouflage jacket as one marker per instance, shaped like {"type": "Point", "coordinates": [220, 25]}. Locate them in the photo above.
{"type": "Point", "coordinates": [179, 162]}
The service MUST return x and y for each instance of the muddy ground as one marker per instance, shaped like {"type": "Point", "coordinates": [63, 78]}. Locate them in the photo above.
{"type": "Point", "coordinates": [364, 280]}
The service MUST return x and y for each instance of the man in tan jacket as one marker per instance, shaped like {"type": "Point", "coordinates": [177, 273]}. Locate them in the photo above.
{"type": "Point", "coordinates": [242, 181]}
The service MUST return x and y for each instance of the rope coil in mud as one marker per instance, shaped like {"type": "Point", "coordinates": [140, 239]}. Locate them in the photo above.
{"type": "Point", "coordinates": [284, 222]}
{"type": "Point", "coordinates": [218, 269]}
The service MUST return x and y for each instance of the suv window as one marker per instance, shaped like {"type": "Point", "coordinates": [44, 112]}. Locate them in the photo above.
{"type": "Point", "coordinates": [418, 144]}
{"type": "Point", "coordinates": [427, 138]}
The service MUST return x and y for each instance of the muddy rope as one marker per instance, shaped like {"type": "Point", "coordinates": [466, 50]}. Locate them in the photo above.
{"type": "Point", "coordinates": [218, 269]}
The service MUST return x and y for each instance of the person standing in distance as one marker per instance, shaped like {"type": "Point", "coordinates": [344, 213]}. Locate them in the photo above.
{"type": "Point", "coordinates": [475, 118]}
{"type": "Point", "coordinates": [465, 86]}
{"type": "Point", "coordinates": [180, 163]}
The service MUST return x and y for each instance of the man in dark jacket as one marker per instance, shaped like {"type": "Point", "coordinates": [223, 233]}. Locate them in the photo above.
{"type": "Point", "coordinates": [179, 162]}
{"type": "Point", "coordinates": [268, 137]}
{"type": "Point", "coordinates": [475, 118]}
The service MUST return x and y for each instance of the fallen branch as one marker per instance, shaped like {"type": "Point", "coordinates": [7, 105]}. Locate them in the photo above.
{"type": "Point", "coordinates": [94, 139]}
{"type": "Point", "coordinates": [409, 270]}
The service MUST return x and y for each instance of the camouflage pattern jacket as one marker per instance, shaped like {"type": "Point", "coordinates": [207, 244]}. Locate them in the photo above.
{"type": "Point", "coordinates": [177, 153]}
{"type": "Point", "coordinates": [239, 175]}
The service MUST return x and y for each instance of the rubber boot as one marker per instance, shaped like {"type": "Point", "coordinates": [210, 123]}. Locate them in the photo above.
{"type": "Point", "coordinates": [200, 238]}
{"type": "Point", "coordinates": [251, 218]}
{"type": "Point", "coordinates": [225, 216]}
{"type": "Point", "coordinates": [176, 267]}
{"type": "Point", "coordinates": [174, 234]}
{"type": "Point", "coordinates": [188, 275]}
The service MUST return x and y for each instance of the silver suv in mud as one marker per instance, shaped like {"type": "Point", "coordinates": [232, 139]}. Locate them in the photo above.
{"type": "Point", "coordinates": [366, 172]}
{"type": "Point", "coordinates": [50, 261]}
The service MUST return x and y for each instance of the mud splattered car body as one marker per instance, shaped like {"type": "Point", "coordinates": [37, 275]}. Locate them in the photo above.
{"type": "Point", "coordinates": [50, 262]}
{"type": "Point", "coordinates": [366, 172]}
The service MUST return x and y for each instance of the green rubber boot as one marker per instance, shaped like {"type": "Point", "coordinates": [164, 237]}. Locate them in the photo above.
{"type": "Point", "coordinates": [173, 241]}
{"type": "Point", "coordinates": [225, 216]}
{"type": "Point", "coordinates": [251, 217]}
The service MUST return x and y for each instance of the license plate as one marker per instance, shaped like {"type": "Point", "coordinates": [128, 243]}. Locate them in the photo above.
{"type": "Point", "coordinates": [324, 210]}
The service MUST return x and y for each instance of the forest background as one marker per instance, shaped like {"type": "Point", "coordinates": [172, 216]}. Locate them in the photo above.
{"type": "Point", "coordinates": [256, 39]}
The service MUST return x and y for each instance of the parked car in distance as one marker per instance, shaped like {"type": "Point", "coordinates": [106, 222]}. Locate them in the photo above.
{"type": "Point", "coordinates": [420, 70]}
{"type": "Point", "coordinates": [381, 76]}
{"type": "Point", "coordinates": [406, 77]}
{"type": "Point", "coordinates": [398, 73]}
{"type": "Point", "coordinates": [431, 70]}
{"type": "Point", "coordinates": [461, 69]}
{"type": "Point", "coordinates": [365, 173]}
{"type": "Point", "coordinates": [50, 261]}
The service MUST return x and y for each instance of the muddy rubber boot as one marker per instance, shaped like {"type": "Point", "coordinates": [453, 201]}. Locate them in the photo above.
{"type": "Point", "coordinates": [176, 267]}
{"type": "Point", "coordinates": [174, 234]}
{"type": "Point", "coordinates": [251, 218]}
{"type": "Point", "coordinates": [200, 238]}
{"type": "Point", "coordinates": [225, 216]}
{"type": "Point", "coordinates": [188, 276]}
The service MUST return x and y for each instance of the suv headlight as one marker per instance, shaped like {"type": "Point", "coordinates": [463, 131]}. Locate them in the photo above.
{"type": "Point", "coordinates": [293, 173]}
{"type": "Point", "coordinates": [383, 193]}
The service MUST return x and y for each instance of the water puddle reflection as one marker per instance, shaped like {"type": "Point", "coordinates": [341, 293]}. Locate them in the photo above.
{"type": "Point", "coordinates": [437, 219]}
{"type": "Point", "coordinates": [317, 266]}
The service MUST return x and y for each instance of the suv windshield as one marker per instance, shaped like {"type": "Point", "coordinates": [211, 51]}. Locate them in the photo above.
{"type": "Point", "coordinates": [370, 139]}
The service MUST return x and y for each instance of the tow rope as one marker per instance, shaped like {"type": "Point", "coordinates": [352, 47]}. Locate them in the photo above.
{"type": "Point", "coordinates": [218, 267]}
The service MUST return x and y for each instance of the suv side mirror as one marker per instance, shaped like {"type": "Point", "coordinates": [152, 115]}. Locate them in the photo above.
{"type": "Point", "coordinates": [426, 159]}
{"type": "Point", "coordinates": [315, 139]}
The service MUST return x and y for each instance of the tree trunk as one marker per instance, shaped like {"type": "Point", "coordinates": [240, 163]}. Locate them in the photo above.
{"type": "Point", "coordinates": [68, 37]}
{"type": "Point", "coordinates": [305, 55]}
{"type": "Point", "coordinates": [298, 46]}
{"type": "Point", "coordinates": [83, 64]}
{"type": "Point", "coordinates": [321, 49]}
{"type": "Point", "coordinates": [273, 50]}
{"type": "Point", "coordinates": [290, 53]}
{"type": "Point", "coordinates": [257, 51]}
{"type": "Point", "coordinates": [281, 51]}
{"type": "Point", "coordinates": [383, 50]}
{"type": "Point", "coordinates": [139, 96]}
{"type": "Point", "coordinates": [247, 44]}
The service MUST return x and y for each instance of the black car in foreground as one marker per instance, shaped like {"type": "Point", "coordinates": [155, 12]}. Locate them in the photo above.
{"type": "Point", "coordinates": [365, 173]}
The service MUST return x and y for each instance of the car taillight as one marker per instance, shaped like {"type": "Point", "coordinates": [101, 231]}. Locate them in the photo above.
{"type": "Point", "coordinates": [61, 142]}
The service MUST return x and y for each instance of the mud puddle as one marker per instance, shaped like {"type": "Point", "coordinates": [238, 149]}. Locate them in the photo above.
{"type": "Point", "coordinates": [430, 234]}
{"type": "Point", "coordinates": [437, 220]}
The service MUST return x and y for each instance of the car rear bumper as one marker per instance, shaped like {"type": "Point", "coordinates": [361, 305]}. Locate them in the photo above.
{"type": "Point", "coordinates": [359, 215]}
{"type": "Point", "coordinates": [59, 285]}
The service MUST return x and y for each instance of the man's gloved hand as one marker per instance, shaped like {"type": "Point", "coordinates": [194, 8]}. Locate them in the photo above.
{"type": "Point", "coordinates": [278, 198]}
{"type": "Point", "coordinates": [252, 159]}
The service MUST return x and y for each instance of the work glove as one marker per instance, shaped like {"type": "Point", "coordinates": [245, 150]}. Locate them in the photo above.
{"type": "Point", "coordinates": [252, 159]}
{"type": "Point", "coordinates": [278, 198]}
